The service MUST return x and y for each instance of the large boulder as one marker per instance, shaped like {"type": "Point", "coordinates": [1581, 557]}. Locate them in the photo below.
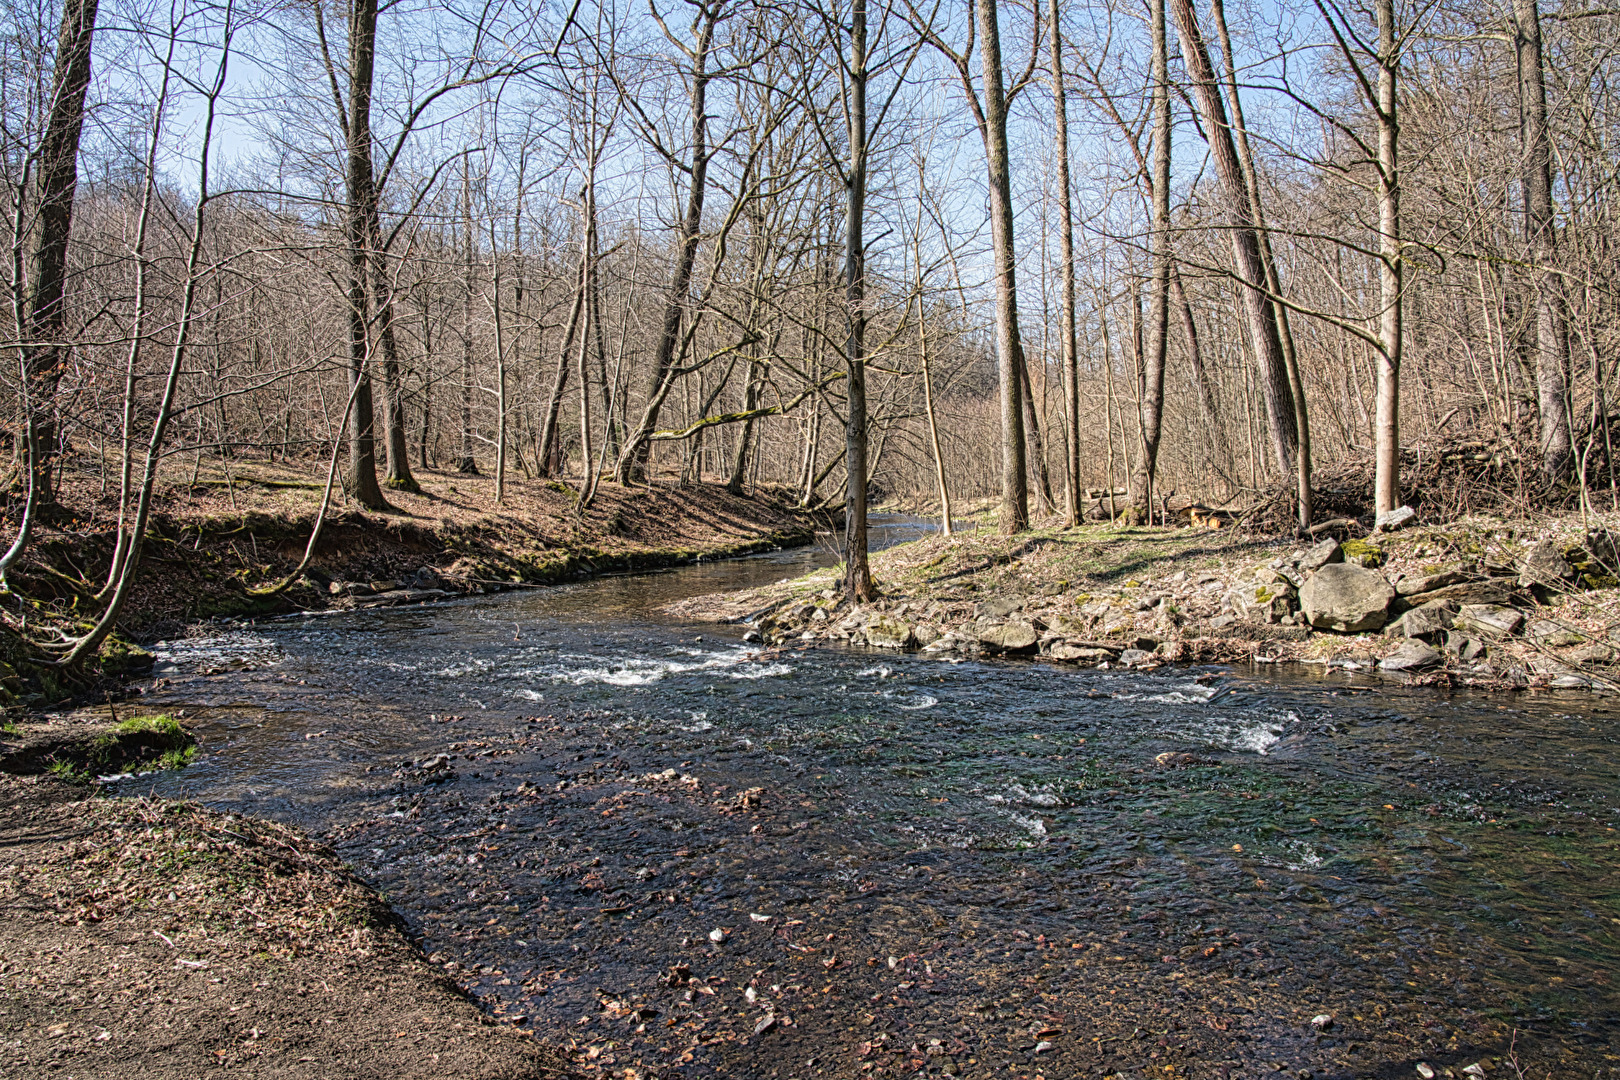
{"type": "Point", "coordinates": [1346, 598]}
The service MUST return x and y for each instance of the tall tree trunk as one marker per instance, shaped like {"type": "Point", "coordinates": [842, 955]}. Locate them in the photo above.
{"type": "Point", "coordinates": [1158, 320]}
{"type": "Point", "coordinates": [929, 407]}
{"type": "Point", "coordinates": [548, 454]}
{"type": "Point", "coordinates": [1387, 426]}
{"type": "Point", "coordinates": [857, 571]}
{"type": "Point", "coordinates": [466, 464]}
{"type": "Point", "coordinates": [42, 318]}
{"type": "Point", "coordinates": [632, 465]}
{"type": "Point", "coordinates": [1551, 325]}
{"type": "Point", "coordinates": [1009, 346]}
{"type": "Point", "coordinates": [1201, 384]}
{"type": "Point", "coordinates": [361, 198]}
{"type": "Point", "coordinates": [1272, 366]}
{"type": "Point", "coordinates": [1251, 174]}
{"type": "Point", "coordinates": [587, 259]}
{"type": "Point", "coordinates": [1068, 337]}
{"type": "Point", "coordinates": [396, 443]}
{"type": "Point", "coordinates": [500, 367]}
{"type": "Point", "coordinates": [739, 460]}
{"type": "Point", "coordinates": [1037, 447]}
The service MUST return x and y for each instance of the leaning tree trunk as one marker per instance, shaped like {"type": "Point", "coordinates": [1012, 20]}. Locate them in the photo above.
{"type": "Point", "coordinates": [44, 314]}
{"type": "Point", "coordinates": [1273, 366]}
{"type": "Point", "coordinates": [1304, 498]}
{"type": "Point", "coordinates": [632, 464]}
{"type": "Point", "coordinates": [1158, 322]}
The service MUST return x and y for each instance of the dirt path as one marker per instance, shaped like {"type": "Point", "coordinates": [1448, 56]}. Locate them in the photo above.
{"type": "Point", "coordinates": [161, 940]}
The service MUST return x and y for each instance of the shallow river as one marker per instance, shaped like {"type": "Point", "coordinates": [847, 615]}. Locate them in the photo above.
{"type": "Point", "coordinates": [976, 868]}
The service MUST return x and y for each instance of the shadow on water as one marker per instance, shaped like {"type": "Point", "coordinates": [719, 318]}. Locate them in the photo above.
{"type": "Point", "coordinates": [1167, 871]}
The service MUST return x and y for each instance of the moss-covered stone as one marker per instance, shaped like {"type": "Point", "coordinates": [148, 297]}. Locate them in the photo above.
{"type": "Point", "coordinates": [119, 656]}
{"type": "Point", "coordinates": [1363, 553]}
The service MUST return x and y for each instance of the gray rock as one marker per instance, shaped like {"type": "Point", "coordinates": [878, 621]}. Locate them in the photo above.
{"type": "Point", "coordinates": [1429, 621]}
{"type": "Point", "coordinates": [1064, 651]}
{"type": "Point", "coordinates": [1489, 620]}
{"type": "Point", "coordinates": [1413, 583]}
{"type": "Point", "coordinates": [1015, 635]}
{"type": "Point", "coordinates": [1493, 591]}
{"type": "Point", "coordinates": [886, 632]}
{"type": "Point", "coordinates": [1604, 548]}
{"type": "Point", "coordinates": [1346, 598]}
{"type": "Point", "coordinates": [1133, 657]}
{"type": "Point", "coordinates": [1410, 656]}
{"type": "Point", "coordinates": [999, 607]}
{"type": "Point", "coordinates": [1065, 626]}
{"type": "Point", "coordinates": [1328, 551]}
{"type": "Point", "coordinates": [1544, 564]}
{"type": "Point", "coordinates": [1398, 518]}
{"type": "Point", "coordinates": [1592, 654]}
{"type": "Point", "coordinates": [925, 635]}
{"type": "Point", "coordinates": [1465, 647]}
{"type": "Point", "coordinates": [1552, 634]}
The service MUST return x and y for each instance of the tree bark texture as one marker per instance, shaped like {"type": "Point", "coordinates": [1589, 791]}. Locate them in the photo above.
{"type": "Point", "coordinates": [1249, 266]}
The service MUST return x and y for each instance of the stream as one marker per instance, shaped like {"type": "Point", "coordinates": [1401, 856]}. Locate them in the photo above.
{"type": "Point", "coordinates": [682, 856]}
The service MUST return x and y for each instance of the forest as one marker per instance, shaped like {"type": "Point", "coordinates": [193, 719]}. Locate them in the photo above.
{"type": "Point", "coordinates": [876, 251]}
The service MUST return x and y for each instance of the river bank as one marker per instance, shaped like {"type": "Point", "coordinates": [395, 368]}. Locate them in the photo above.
{"type": "Point", "coordinates": [162, 939]}
{"type": "Point", "coordinates": [217, 539]}
{"type": "Point", "coordinates": [1481, 602]}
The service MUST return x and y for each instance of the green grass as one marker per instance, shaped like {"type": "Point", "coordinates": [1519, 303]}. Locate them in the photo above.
{"type": "Point", "coordinates": [157, 725]}
{"type": "Point", "coordinates": [142, 740]}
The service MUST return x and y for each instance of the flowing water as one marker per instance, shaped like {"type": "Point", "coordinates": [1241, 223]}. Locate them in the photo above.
{"type": "Point", "coordinates": [982, 868]}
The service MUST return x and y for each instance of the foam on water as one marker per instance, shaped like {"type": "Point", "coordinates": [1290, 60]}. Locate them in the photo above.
{"type": "Point", "coordinates": [233, 649]}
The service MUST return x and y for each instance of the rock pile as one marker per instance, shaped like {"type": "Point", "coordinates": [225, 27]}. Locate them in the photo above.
{"type": "Point", "coordinates": [1443, 616]}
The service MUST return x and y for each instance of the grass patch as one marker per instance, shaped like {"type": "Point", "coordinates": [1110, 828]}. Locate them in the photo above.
{"type": "Point", "coordinates": [141, 740]}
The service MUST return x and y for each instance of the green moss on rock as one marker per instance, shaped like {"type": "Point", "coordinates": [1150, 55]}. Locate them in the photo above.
{"type": "Point", "coordinates": [1363, 553]}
